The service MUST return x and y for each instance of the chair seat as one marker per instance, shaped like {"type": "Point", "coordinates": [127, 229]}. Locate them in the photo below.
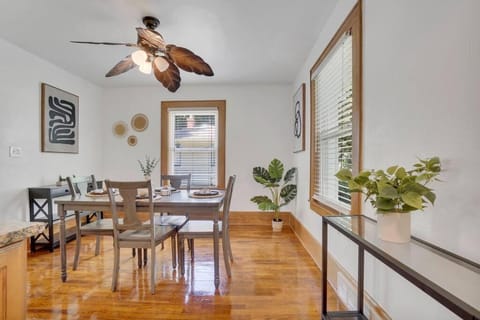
{"type": "Point", "coordinates": [100, 226]}
{"type": "Point", "coordinates": [198, 227]}
{"type": "Point", "coordinates": [170, 220]}
{"type": "Point", "coordinates": [161, 233]}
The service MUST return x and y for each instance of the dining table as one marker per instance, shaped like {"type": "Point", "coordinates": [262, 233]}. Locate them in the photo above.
{"type": "Point", "coordinates": [179, 202]}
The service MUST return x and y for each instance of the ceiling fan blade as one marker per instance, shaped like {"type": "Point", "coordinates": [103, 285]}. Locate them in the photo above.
{"type": "Point", "coordinates": [107, 43]}
{"type": "Point", "coordinates": [123, 66]}
{"type": "Point", "coordinates": [170, 77]}
{"type": "Point", "coordinates": [188, 61]}
{"type": "Point", "coordinates": [151, 40]}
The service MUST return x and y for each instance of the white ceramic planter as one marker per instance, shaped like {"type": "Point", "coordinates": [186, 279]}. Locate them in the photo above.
{"type": "Point", "coordinates": [277, 225]}
{"type": "Point", "coordinates": [394, 227]}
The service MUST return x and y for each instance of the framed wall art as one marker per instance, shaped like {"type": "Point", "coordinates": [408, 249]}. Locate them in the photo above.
{"type": "Point", "coordinates": [299, 119]}
{"type": "Point", "coordinates": [59, 120]}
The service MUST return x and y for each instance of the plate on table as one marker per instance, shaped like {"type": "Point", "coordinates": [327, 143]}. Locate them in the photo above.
{"type": "Point", "coordinates": [207, 193]}
{"type": "Point", "coordinates": [97, 193]}
{"type": "Point", "coordinates": [100, 193]}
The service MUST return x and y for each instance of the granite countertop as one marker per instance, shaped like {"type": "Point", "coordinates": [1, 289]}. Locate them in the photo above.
{"type": "Point", "coordinates": [14, 231]}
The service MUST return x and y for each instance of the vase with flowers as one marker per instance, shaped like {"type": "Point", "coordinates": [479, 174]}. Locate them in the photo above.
{"type": "Point", "coordinates": [147, 166]}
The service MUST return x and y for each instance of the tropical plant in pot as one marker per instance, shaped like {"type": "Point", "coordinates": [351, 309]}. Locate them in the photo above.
{"type": "Point", "coordinates": [282, 191]}
{"type": "Point", "coordinates": [395, 193]}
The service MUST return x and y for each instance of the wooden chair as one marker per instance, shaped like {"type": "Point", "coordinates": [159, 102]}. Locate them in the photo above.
{"type": "Point", "coordinates": [177, 181]}
{"type": "Point", "coordinates": [204, 229]}
{"type": "Point", "coordinates": [100, 227]}
{"type": "Point", "coordinates": [132, 232]}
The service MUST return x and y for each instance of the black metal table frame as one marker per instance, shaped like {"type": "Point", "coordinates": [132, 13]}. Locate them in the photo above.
{"type": "Point", "coordinates": [453, 303]}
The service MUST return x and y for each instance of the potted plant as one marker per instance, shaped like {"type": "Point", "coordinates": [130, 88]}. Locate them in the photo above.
{"type": "Point", "coordinates": [281, 190]}
{"type": "Point", "coordinates": [395, 193]}
{"type": "Point", "coordinates": [147, 166]}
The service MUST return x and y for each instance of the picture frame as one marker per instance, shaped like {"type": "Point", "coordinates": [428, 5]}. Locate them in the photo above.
{"type": "Point", "coordinates": [59, 120]}
{"type": "Point", "coordinates": [299, 119]}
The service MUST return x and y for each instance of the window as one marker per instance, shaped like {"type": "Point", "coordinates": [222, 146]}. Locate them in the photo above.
{"type": "Point", "coordinates": [335, 84]}
{"type": "Point", "coordinates": [193, 141]}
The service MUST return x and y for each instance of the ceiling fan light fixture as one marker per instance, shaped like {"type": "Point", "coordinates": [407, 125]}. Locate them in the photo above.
{"type": "Point", "coordinates": [161, 63]}
{"type": "Point", "coordinates": [139, 57]}
{"type": "Point", "coordinates": [146, 67]}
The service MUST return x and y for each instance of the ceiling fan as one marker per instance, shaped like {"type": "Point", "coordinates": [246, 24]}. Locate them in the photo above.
{"type": "Point", "coordinates": [154, 54]}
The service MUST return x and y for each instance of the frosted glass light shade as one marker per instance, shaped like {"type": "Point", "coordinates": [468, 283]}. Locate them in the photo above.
{"type": "Point", "coordinates": [146, 67]}
{"type": "Point", "coordinates": [139, 57]}
{"type": "Point", "coordinates": [161, 64]}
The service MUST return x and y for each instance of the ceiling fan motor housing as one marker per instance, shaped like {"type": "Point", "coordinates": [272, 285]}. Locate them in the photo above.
{"type": "Point", "coordinates": [151, 22]}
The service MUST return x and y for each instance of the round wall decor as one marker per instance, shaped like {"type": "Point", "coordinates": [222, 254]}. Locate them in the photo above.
{"type": "Point", "coordinates": [139, 122]}
{"type": "Point", "coordinates": [119, 129]}
{"type": "Point", "coordinates": [132, 140]}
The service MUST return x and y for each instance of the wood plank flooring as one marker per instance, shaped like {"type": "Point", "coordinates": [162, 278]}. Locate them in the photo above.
{"type": "Point", "coordinates": [273, 277]}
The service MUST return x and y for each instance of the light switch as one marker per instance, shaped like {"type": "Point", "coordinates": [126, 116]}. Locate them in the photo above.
{"type": "Point", "coordinates": [15, 152]}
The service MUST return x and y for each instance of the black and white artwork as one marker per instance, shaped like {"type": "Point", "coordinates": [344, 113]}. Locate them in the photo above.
{"type": "Point", "coordinates": [59, 120]}
{"type": "Point", "coordinates": [299, 119]}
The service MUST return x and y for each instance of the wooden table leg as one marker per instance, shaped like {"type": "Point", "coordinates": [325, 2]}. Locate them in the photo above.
{"type": "Point", "coordinates": [216, 250]}
{"type": "Point", "coordinates": [63, 251]}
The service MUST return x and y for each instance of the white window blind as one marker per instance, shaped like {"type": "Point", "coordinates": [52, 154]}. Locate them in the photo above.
{"type": "Point", "coordinates": [193, 144]}
{"type": "Point", "coordinates": [333, 124]}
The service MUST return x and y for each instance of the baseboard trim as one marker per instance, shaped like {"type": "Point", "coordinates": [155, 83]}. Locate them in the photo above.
{"type": "Point", "coordinates": [256, 218]}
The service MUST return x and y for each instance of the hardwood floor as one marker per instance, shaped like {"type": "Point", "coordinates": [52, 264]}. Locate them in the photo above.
{"type": "Point", "coordinates": [273, 277]}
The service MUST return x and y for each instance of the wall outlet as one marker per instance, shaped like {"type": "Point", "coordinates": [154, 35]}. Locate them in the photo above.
{"type": "Point", "coordinates": [15, 152]}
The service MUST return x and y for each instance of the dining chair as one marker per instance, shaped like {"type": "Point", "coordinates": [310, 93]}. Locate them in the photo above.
{"type": "Point", "coordinates": [134, 231]}
{"type": "Point", "coordinates": [194, 229]}
{"type": "Point", "coordinates": [176, 181]}
{"type": "Point", "coordinates": [100, 227]}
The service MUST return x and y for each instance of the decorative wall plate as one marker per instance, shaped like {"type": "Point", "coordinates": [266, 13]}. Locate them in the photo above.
{"type": "Point", "coordinates": [132, 140]}
{"type": "Point", "coordinates": [139, 122]}
{"type": "Point", "coordinates": [119, 129]}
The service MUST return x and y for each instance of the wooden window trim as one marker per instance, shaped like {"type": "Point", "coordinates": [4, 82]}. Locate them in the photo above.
{"type": "Point", "coordinates": [220, 105]}
{"type": "Point", "coordinates": [353, 22]}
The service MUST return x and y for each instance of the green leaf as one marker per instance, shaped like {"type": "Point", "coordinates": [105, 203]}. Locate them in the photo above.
{"type": "Point", "coordinates": [289, 175]}
{"type": "Point", "coordinates": [354, 187]}
{"type": "Point", "coordinates": [275, 170]}
{"type": "Point", "coordinates": [387, 191]}
{"type": "Point", "coordinates": [261, 172]}
{"type": "Point", "coordinates": [344, 175]}
{"type": "Point", "coordinates": [413, 199]}
{"type": "Point", "coordinates": [401, 173]}
{"type": "Point", "coordinates": [430, 197]}
{"type": "Point", "coordinates": [384, 204]}
{"type": "Point", "coordinates": [264, 203]}
{"type": "Point", "coordinates": [415, 187]}
{"type": "Point", "coordinates": [365, 173]}
{"type": "Point", "coordinates": [392, 170]}
{"type": "Point", "coordinates": [288, 193]}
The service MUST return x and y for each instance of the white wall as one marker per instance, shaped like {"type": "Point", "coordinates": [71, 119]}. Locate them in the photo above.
{"type": "Point", "coordinates": [258, 129]}
{"type": "Point", "coordinates": [421, 76]}
{"type": "Point", "coordinates": [21, 74]}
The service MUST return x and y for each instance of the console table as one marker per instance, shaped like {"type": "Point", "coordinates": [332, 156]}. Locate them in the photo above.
{"type": "Point", "coordinates": [459, 293]}
{"type": "Point", "coordinates": [40, 200]}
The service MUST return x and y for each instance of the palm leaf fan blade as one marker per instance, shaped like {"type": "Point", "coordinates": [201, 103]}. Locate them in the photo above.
{"type": "Point", "coordinates": [188, 61]}
{"type": "Point", "coordinates": [167, 73]}
{"type": "Point", "coordinates": [107, 43]}
{"type": "Point", "coordinates": [123, 66]}
{"type": "Point", "coordinates": [150, 39]}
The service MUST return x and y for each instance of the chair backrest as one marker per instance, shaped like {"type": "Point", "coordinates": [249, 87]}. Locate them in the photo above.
{"type": "Point", "coordinates": [80, 185]}
{"type": "Point", "coordinates": [131, 192]}
{"type": "Point", "coordinates": [177, 181]}
{"type": "Point", "coordinates": [226, 202]}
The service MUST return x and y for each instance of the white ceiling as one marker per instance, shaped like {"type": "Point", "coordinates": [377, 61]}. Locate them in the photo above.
{"type": "Point", "coordinates": [244, 41]}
